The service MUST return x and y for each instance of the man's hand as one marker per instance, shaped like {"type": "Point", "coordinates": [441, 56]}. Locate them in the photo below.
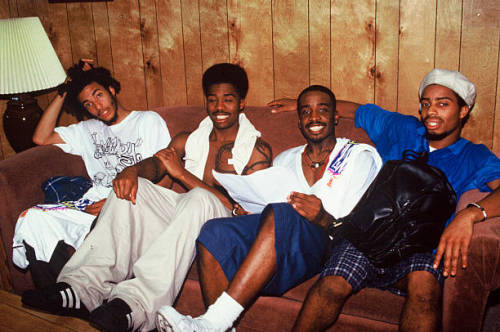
{"type": "Point", "coordinates": [86, 64]}
{"type": "Point", "coordinates": [454, 243]}
{"type": "Point", "coordinates": [283, 105]}
{"type": "Point", "coordinates": [238, 210]}
{"type": "Point", "coordinates": [95, 208]}
{"type": "Point", "coordinates": [125, 184]}
{"type": "Point", "coordinates": [309, 207]}
{"type": "Point", "coordinates": [171, 161]}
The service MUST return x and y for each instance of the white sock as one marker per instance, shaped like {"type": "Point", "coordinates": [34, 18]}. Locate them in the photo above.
{"type": "Point", "coordinates": [224, 312]}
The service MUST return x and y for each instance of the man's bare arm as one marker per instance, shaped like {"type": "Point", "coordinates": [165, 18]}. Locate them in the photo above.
{"type": "Point", "coordinates": [262, 157]}
{"type": "Point", "coordinates": [126, 182]}
{"type": "Point", "coordinates": [44, 133]}
{"type": "Point", "coordinates": [455, 241]}
{"type": "Point", "coordinates": [345, 109]}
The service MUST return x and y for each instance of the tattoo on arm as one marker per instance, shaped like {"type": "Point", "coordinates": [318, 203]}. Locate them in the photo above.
{"type": "Point", "coordinates": [265, 151]}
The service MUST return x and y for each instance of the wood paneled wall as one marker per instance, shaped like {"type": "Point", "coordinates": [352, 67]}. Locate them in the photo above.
{"type": "Point", "coordinates": [366, 51]}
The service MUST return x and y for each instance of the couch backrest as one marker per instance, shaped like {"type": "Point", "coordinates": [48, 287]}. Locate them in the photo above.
{"type": "Point", "coordinates": [279, 130]}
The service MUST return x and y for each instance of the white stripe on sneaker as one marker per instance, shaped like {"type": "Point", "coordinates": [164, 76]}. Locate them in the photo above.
{"type": "Point", "coordinates": [63, 296]}
{"type": "Point", "coordinates": [70, 298]}
{"type": "Point", "coordinates": [69, 293]}
{"type": "Point", "coordinates": [77, 298]}
{"type": "Point", "coordinates": [129, 320]}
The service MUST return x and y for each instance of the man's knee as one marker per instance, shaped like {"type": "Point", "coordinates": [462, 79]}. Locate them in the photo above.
{"type": "Point", "coordinates": [423, 287]}
{"type": "Point", "coordinates": [332, 289]}
{"type": "Point", "coordinates": [214, 231]}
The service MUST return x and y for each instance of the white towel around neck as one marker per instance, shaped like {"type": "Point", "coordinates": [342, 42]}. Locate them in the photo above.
{"type": "Point", "coordinates": [197, 146]}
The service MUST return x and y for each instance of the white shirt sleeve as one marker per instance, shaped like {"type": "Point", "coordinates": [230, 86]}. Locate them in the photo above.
{"type": "Point", "coordinates": [359, 175]}
{"type": "Point", "coordinates": [72, 136]}
{"type": "Point", "coordinates": [156, 133]}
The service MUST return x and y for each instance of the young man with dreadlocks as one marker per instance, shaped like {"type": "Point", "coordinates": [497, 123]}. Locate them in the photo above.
{"type": "Point", "coordinates": [112, 139]}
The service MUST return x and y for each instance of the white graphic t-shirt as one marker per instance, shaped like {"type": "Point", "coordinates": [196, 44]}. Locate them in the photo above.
{"type": "Point", "coordinates": [107, 150]}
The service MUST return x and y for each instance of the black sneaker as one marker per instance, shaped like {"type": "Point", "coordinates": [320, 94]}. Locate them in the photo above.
{"type": "Point", "coordinates": [59, 299]}
{"type": "Point", "coordinates": [113, 316]}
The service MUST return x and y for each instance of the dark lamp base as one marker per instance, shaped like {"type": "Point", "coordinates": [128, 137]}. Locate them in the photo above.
{"type": "Point", "coordinates": [20, 120]}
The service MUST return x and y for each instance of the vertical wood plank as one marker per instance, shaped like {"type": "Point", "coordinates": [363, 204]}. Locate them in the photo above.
{"type": "Point", "coordinates": [386, 54]}
{"type": "Point", "coordinates": [26, 8]}
{"type": "Point", "coordinates": [54, 18]}
{"type": "Point", "coordinates": [101, 35]}
{"type": "Point", "coordinates": [13, 8]}
{"type": "Point", "coordinates": [5, 10]}
{"type": "Point", "coordinates": [125, 36]}
{"type": "Point", "coordinates": [81, 29]}
{"type": "Point", "coordinates": [193, 59]}
{"type": "Point", "coordinates": [353, 49]}
{"type": "Point", "coordinates": [480, 32]}
{"type": "Point", "coordinates": [171, 44]}
{"type": "Point", "coordinates": [290, 47]}
{"type": "Point", "coordinates": [416, 50]}
{"type": "Point", "coordinates": [250, 40]}
{"type": "Point", "coordinates": [214, 32]}
{"type": "Point", "coordinates": [448, 31]}
{"type": "Point", "coordinates": [319, 42]}
{"type": "Point", "coordinates": [151, 53]}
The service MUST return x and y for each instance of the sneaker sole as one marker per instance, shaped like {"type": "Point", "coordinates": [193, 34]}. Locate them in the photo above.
{"type": "Point", "coordinates": [163, 324]}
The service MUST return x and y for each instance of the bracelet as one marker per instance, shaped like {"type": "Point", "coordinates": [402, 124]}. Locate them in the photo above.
{"type": "Point", "coordinates": [480, 208]}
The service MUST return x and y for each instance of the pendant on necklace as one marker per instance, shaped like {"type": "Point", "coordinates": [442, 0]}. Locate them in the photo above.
{"type": "Point", "coordinates": [316, 165]}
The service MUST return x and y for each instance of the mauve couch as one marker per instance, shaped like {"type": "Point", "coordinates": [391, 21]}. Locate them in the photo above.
{"type": "Point", "coordinates": [464, 298]}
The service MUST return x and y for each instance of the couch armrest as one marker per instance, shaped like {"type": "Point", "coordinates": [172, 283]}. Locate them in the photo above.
{"type": "Point", "coordinates": [21, 177]}
{"type": "Point", "coordinates": [466, 294]}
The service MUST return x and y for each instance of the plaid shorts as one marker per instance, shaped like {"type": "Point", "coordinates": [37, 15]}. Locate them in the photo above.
{"type": "Point", "coordinates": [349, 263]}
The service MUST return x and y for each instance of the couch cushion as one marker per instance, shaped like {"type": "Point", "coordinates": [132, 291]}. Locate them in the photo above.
{"type": "Point", "coordinates": [364, 304]}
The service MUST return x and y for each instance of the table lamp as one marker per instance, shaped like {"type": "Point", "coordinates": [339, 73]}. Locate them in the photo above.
{"type": "Point", "coordinates": [28, 65]}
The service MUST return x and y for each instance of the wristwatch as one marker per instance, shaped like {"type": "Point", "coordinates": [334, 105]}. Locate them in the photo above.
{"type": "Point", "coordinates": [333, 228]}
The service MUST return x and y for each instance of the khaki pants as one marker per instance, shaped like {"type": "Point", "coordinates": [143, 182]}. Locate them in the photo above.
{"type": "Point", "coordinates": [141, 253]}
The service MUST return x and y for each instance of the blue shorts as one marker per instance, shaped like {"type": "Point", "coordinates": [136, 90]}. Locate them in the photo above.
{"type": "Point", "coordinates": [349, 263]}
{"type": "Point", "coordinates": [300, 245]}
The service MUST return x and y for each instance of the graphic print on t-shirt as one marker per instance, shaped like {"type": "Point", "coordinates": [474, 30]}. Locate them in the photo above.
{"type": "Point", "coordinates": [115, 155]}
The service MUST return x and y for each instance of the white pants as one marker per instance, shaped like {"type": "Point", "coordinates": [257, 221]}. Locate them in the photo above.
{"type": "Point", "coordinates": [141, 253]}
{"type": "Point", "coordinates": [43, 226]}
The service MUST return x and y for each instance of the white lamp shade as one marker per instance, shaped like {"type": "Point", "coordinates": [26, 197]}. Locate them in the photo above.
{"type": "Point", "coordinates": [28, 61]}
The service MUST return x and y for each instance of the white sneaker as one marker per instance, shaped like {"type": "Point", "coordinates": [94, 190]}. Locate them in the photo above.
{"type": "Point", "coordinates": [169, 320]}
